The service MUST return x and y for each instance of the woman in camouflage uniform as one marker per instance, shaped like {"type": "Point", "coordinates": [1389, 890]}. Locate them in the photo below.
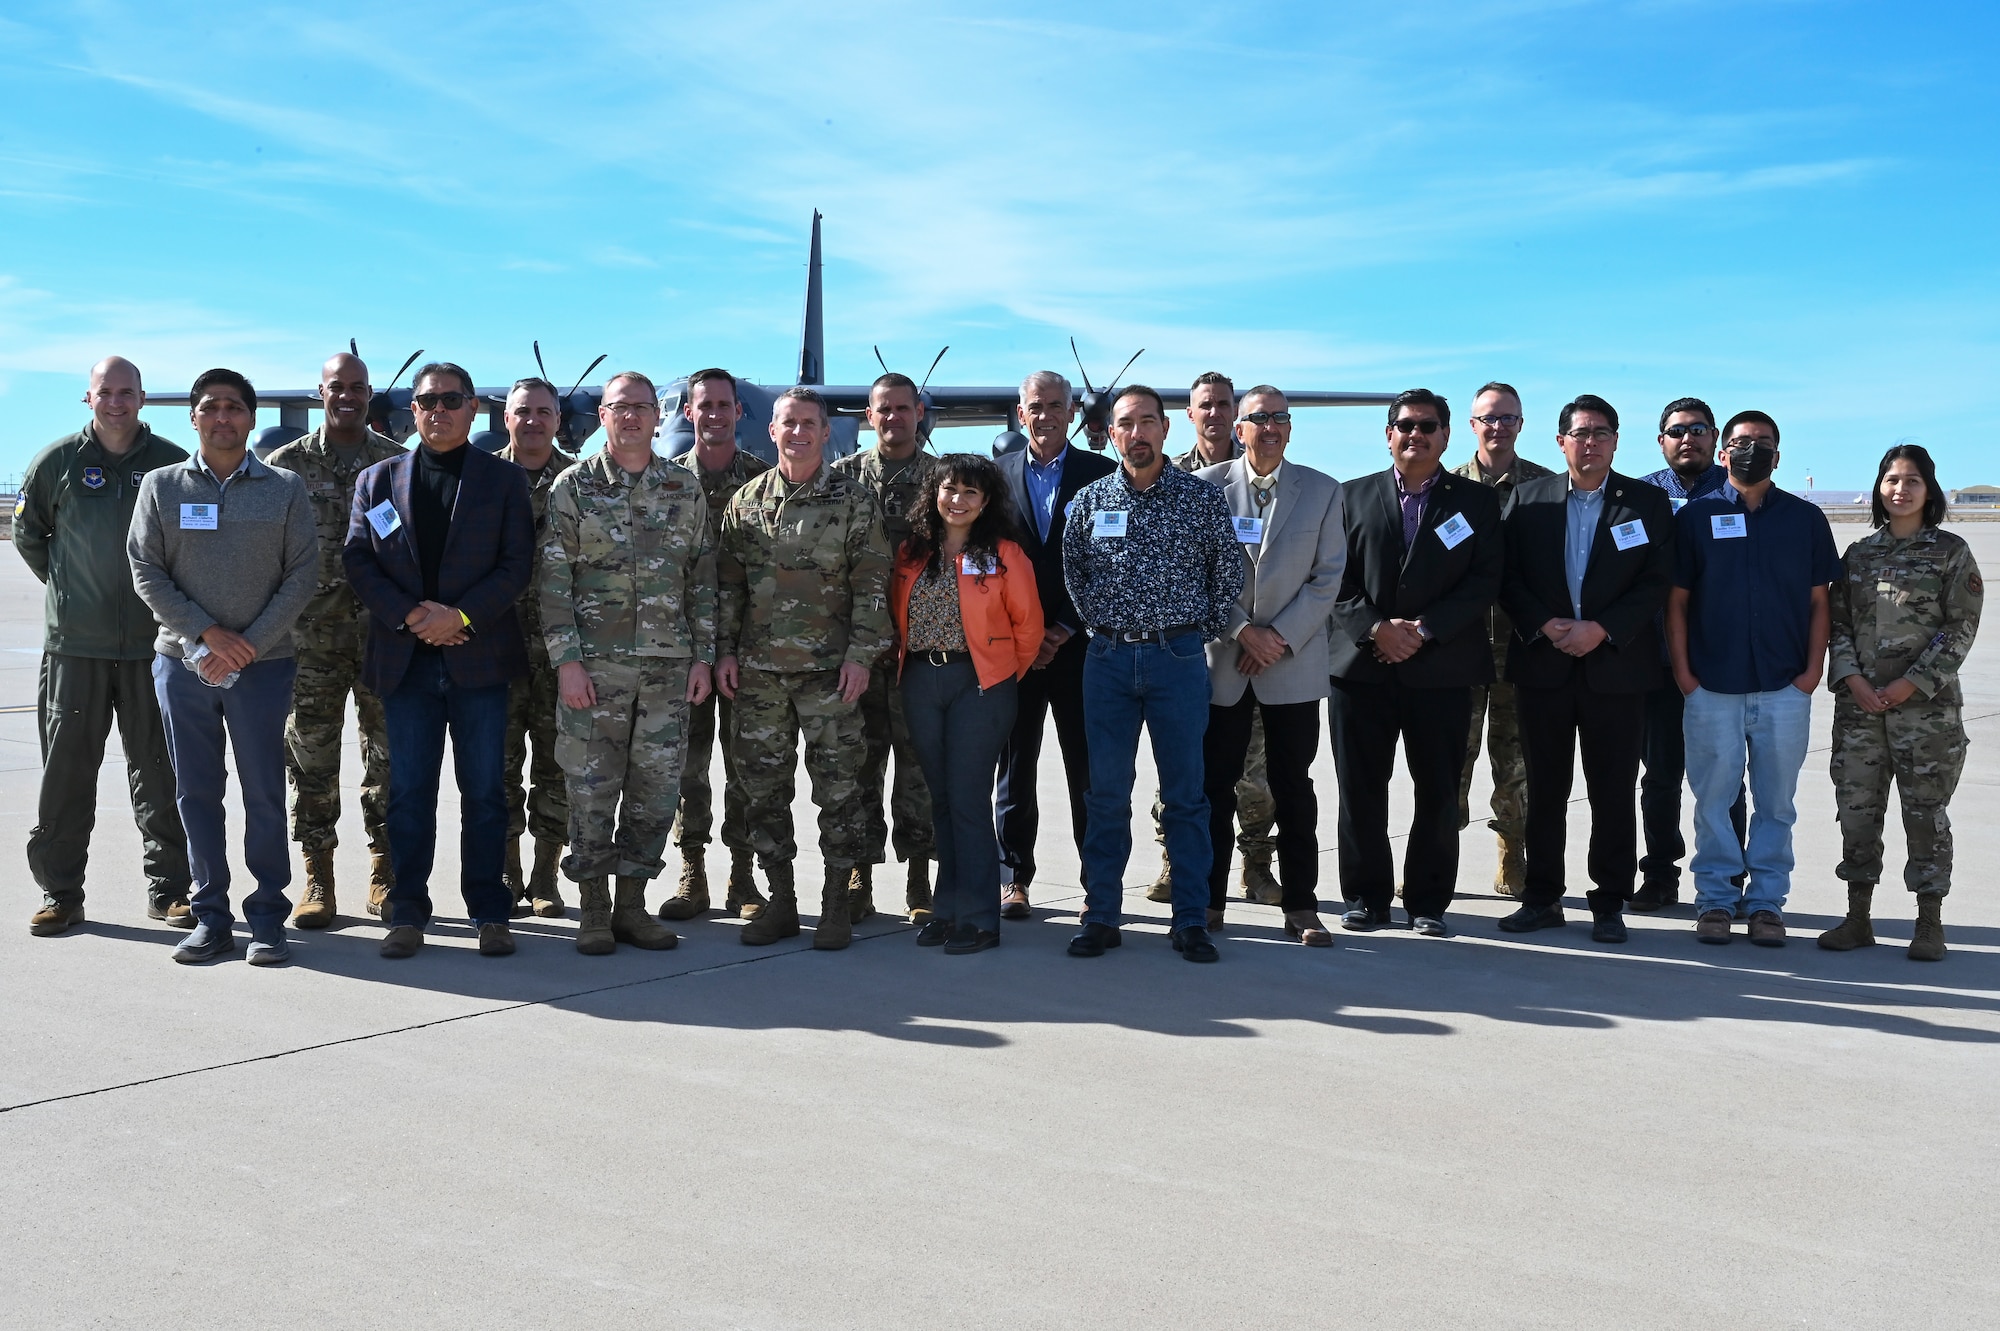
{"type": "Point", "coordinates": [1904, 616]}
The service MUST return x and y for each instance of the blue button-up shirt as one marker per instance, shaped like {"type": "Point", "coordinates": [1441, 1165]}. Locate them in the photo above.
{"type": "Point", "coordinates": [1043, 480]}
{"type": "Point", "coordinates": [1580, 517]}
{"type": "Point", "coordinates": [1750, 602]}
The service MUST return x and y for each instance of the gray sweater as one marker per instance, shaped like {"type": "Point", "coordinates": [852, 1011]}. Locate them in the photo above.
{"type": "Point", "coordinates": [244, 555]}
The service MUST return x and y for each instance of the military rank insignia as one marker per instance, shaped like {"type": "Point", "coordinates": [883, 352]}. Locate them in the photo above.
{"type": "Point", "coordinates": [93, 478]}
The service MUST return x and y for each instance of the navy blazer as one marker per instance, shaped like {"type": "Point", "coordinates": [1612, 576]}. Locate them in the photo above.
{"type": "Point", "coordinates": [489, 557]}
{"type": "Point", "coordinates": [1623, 590]}
{"type": "Point", "coordinates": [1080, 468]}
{"type": "Point", "coordinates": [1448, 587]}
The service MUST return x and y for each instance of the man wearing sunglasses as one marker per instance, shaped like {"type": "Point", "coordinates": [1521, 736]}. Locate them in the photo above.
{"type": "Point", "coordinates": [1409, 644]}
{"type": "Point", "coordinates": [440, 548]}
{"type": "Point", "coordinates": [1687, 441]}
{"type": "Point", "coordinates": [1496, 423]}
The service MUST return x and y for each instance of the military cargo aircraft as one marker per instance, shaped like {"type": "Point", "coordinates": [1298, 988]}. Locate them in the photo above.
{"type": "Point", "coordinates": [389, 411]}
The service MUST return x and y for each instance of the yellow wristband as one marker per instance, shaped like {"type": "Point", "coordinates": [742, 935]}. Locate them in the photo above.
{"type": "Point", "coordinates": [465, 619]}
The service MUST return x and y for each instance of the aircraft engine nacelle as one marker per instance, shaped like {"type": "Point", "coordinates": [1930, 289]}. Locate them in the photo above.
{"type": "Point", "coordinates": [389, 413]}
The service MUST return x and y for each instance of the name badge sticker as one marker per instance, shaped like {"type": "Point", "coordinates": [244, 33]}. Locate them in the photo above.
{"type": "Point", "coordinates": [384, 519]}
{"type": "Point", "coordinates": [1678, 504]}
{"type": "Point", "coordinates": [1108, 522]}
{"type": "Point", "coordinates": [1727, 526]}
{"type": "Point", "coordinates": [198, 517]}
{"type": "Point", "coordinates": [1249, 531]}
{"type": "Point", "coordinates": [1453, 531]}
{"type": "Point", "coordinates": [1625, 535]}
{"type": "Point", "coordinates": [974, 567]}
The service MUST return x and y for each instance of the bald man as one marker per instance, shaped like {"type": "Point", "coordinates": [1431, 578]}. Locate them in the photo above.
{"type": "Point", "coordinates": [330, 638]}
{"type": "Point", "coordinates": [97, 652]}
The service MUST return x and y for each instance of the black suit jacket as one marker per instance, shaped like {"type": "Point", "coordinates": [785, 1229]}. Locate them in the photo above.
{"type": "Point", "coordinates": [1622, 589]}
{"type": "Point", "coordinates": [1080, 468]}
{"type": "Point", "coordinates": [1449, 589]}
{"type": "Point", "coordinates": [489, 557]}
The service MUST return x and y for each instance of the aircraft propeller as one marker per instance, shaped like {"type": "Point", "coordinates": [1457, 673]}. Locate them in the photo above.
{"type": "Point", "coordinates": [1095, 416]}
{"type": "Point", "coordinates": [578, 422]}
{"type": "Point", "coordinates": [384, 416]}
{"type": "Point", "coordinates": [929, 421]}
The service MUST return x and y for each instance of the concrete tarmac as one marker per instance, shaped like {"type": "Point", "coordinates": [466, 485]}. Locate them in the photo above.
{"type": "Point", "coordinates": [1477, 1131]}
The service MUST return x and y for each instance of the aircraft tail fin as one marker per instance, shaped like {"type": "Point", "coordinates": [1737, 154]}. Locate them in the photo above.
{"type": "Point", "coordinates": [812, 344]}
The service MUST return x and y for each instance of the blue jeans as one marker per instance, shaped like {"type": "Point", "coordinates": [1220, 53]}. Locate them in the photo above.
{"type": "Point", "coordinates": [420, 711]}
{"type": "Point", "coordinates": [957, 729]}
{"type": "Point", "coordinates": [1165, 689]}
{"type": "Point", "coordinates": [251, 715]}
{"type": "Point", "coordinates": [1727, 733]}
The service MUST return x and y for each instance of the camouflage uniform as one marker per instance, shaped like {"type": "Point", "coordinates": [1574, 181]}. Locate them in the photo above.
{"type": "Point", "coordinates": [696, 812]}
{"type": "Point", "coordinates": [895, 485]}
{"type": "Point", "coordinates": [331, 637]}
{"type": "Point", "coordinates": [804, 572]}
{"type": "Point", "coordinates": [532, 700]}
{"type": "Point", "coordinates": [1905, 609]}
{"type": "Point", "coordinates": [1255, 813]}
{"type": "Point", "coordinates": [1493, 704]}
{"type": "Point", "coordinates": [621, 592]}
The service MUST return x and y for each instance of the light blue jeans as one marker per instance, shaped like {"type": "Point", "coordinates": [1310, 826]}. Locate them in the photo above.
{"type": "Point", "coordinates": [1727, 733]}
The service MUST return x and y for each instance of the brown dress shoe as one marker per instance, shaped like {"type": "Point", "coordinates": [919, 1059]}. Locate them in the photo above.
{"type": "Point", "coordinates": [1713, 926]}
{"type": "Point", "coordinates": [1305, 926]}
{"type": "Point", "coordinates": [1014, 902]}
{"type": "Point", "coordinates": [1767, 929]}
{"type": "Point", "coordinates": [496, 940]}
{"type": "Point", "coordinates": [402, 942]}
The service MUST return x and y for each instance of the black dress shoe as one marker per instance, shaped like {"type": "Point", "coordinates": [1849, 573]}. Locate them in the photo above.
{"type": "Point", "coordinates": [1608, 929]}
{"type": "Point", "coordinates": [1194, 944]}
{"type": "Point", "coordinates": [1530, 918]}
{"type": "Point", "coordinates": [1655, 896]}
{"type": "Point", "coordinates": [1365, 919]}
{"type": "Point", "coordinates": [1094, 940]}
{"type": "Point", "coordinates": [935, 933]}
{"type": "Point", "coordinates": [966, 939]}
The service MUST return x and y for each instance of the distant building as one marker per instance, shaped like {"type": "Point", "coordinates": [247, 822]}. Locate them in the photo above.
{"type": "Point", "coordinates": [1976, 494]}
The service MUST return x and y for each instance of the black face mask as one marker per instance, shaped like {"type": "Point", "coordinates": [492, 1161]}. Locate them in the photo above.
{"type": "Point", "coordinates": [1752, 466]}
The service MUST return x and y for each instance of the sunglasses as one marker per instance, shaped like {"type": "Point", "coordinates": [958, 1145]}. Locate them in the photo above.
{"type": "Point", "coordinates": [1689, 431]}
{"type": "Point", "coordinates": [449, 401]}
{"type": "Point", "coordinates": [1410, 425]}
{"type": "Point", "coordinates": [1269, 418]}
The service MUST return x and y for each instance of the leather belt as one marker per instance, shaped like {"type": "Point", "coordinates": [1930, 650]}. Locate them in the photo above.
{"type": "Point", "coordinates": [937, 658]}
{"type": "Point", "coordinates": [1162, 636]}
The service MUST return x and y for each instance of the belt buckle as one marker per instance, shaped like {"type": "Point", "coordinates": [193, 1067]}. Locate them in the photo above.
{"type": "Point", "coordinates": [937, 656]}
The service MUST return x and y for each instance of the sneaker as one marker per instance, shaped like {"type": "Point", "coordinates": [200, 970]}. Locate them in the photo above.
{"type": "Point", "coordinates": [1713, 926]}
{"type": "Point", "coordinates": [1767, 929]}
{"type": "Point", "coordinates": [496, 940]}
{"type": "Point", "coordinates": [1656, 896]}
{"type": "Point", "coordinates": [272, 951]}
{"type": "Point", "coordinates": [206, 943]}
{"type": "Point", "coordinates": [402, 942]}
{"type": "Point", "coordinates": [1608, 929]}
{"type": "Point", "coordinates": [1530, 918]}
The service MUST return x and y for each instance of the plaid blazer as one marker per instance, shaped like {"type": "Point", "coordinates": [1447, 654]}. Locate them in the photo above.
{"type": "Point", "coordinates": [489, 558]}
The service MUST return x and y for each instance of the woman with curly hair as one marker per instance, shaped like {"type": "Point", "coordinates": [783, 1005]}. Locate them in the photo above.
{"type": "Point", "coordinates": [969, 624]}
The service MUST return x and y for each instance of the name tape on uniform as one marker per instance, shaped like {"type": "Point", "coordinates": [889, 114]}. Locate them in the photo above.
{"type": "Point", "coordinates": [1727, 526]}
{"type": "Point", "coordinates": [198, 517]}
{"type": "Point", "coordinates": [1628, 534]}
{"type": "Point", "coordinates": [1453, 530]}
{"type": "Point", "coordinates": [1249, 531]}
{"type": "Point", "coordinates": [384, 519]}
{"type": "Point", "coordinates": [1108, 522]}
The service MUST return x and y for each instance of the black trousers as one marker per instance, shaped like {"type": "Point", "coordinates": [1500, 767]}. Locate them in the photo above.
{"type": "Point", "coordinates": [81, 698]}
{"type": "Point", "coordinates": [1610, 730]}
{"type": "Point", "coordinates": [1660, 789]}
{"type": "Point", "coordinates": [1291, 741]}
{"type": "Point", "coordinates": [1017, 815]}
{"type": "Point", "coordinates": [1366, 721]}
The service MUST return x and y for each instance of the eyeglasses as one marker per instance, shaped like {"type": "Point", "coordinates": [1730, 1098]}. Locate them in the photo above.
{"type": "Point", "coordinates": [1268, 418]}
{"type": "Point", "coordinates": [1688, 431]}
{"type": "Point", "coordinates": [631, 408]}
{"type": "Point", "coordinates": [1506, 421]}
{"type": "Point", "coordinates": [1410, 425]}
{"type": "Point", "coordinates": [449, 401]}
{"type": "Point", "coordinates": [1598, 432]}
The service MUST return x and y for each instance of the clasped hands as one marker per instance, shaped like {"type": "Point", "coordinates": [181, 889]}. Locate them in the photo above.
{"type": "Point", "coordinates": [1574, 637]}
{"type": "Point", "coordinates": [1261, 649]}
{"type": "Point", "coordinates": [1875, 701]}
{"type": "Point", "coordinates": [1396, 640]}
{"type": "Point", "coordinates": [227, 651]}
{"type": "Point", "coordinates": [436, 625]}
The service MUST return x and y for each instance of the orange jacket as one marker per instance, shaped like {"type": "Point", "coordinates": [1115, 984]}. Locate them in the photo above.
{"type": "Point", "coordinates": [1003, 619]}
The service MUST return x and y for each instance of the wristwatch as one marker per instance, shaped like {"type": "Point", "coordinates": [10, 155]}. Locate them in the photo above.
{"type": "Point", "coordinates": [1423, 631]}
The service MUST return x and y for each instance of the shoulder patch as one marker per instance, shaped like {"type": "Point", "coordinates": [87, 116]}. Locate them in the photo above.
{"type": "Point", "coordinates": [1975, 586]}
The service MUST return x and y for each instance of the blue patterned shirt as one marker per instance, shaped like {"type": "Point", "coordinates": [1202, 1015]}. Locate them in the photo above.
{"type": "Point", "coordinates": [1714, 481]}
{"type": "Point", "coordinates": [1153, 558]}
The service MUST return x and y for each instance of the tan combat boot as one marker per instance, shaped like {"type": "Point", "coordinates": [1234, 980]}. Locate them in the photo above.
{"type": "Point", "coordinates": [1258, 884]}
{"type": "Point", "coordinates": [1163, 886]}
{"type": "Point", "coordinates": [780, 916]}
{"type": "Point", "coordinates": [593, 933]}
{"type": "Point", "coordinates": [1927, 943]}
{"type": "Point", "coordinates": [917, 894]}
{"type": "Point", "coordinates": [632, 923]}
{"type": "Point", "coordinates": [835, 929]}
{"type": "Point", "coordinates": [1856, 930]}
{"type": "Point", "coordinates": [544, 888]}
{"type": "Point", "coordinates": [381, 877]}
{"type": "Point", "coordinates": [744, 900]}
{"type": "Point", "coordinates": [316, 908]}
{"type": "Point", "coordinates": [1511, 878]}
{"type": "Point", "coordinates": [861, 893]}
{"type": "Point", "coordinates": [516, 885]}
{"type": "Point", "coordinates": [691, 902]}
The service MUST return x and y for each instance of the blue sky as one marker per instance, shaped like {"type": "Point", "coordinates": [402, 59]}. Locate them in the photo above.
{"type": "Point", "coordinates": [1785, 204]}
